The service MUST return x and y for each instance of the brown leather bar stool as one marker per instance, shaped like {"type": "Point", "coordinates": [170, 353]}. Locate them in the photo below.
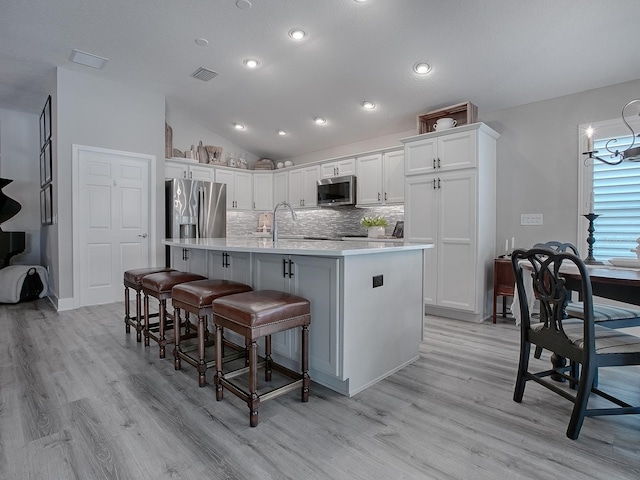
{"type": "Point", "coordinates": [197, 298]}
{"type": "Point", "coordinates": [133, 279]}
{"type": "Point", "coordinates": [159, 285]}
{"type": "Point", "coordinates": [254, 315]}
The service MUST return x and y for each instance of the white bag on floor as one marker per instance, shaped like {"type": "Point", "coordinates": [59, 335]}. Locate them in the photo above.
{"type": "Point", "coordinates": [12, 279]}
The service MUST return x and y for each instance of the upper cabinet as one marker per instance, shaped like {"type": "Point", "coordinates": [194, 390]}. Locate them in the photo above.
{"type": "Point", "coordinates": [280, 187]}
{"type": "Point", "coordinates": [338, 168]}
{"type": "Point", "coordinates": [263, 191]}
{"type": "Point", "coordinates": [441, 151]}
{"type": "Point", "coordinates": [303, 186]}
{"type": "Point", "coordinates": [173, 169]}
{"type": "Point", "coordinates": [239, 188]}
{"type": "Point", "coordinates": [381, 178]}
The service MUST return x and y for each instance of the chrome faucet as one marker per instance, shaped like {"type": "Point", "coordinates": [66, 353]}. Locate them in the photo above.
{"type": "Point", "coordinates": [274, 230]}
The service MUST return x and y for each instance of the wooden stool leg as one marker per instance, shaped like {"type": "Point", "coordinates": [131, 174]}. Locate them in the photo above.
{"type": "Point", "coordinates": [218, 349]}
{"type": "Point", "coordinates": [146, 320]}
{"type": "Point", "coordinates": [127, 327]}
{"type": "Point", "coordinates": [306, 380]}
{"type": "Point", "coordinates": [177, 364]}
{"type": "Point", "coordinates": [138, 317]}
{"type": "Point", "coordinates": [162, 340]}
{"type": "Point", "coordinates": [253, 401]}
{"type": "Point", "coordinates": [202, 364]}
{"type": "Point", "coordinates": [267, 358]}
{"type": "Point", "coordinates": [495, 306]}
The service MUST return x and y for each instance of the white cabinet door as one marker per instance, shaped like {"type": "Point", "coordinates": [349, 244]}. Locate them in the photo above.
{"type": "Point", "coordinates": [235, 266]}
{"type": "Point", "coordinates": [339, 168]}
{"type": "Point", "coordinates": [227, 177]}
{"type": "Point", "coordinates": [281, 188]}
{"type": "Point", "coordinates": [263, 191]}
{"type": "Point", "coordinates": [201, 172]}
{"type": "Point", "coordinates": [296, 190]}
{"type": "Point", "coordinates": [421, 226]}
{"type": "Point", "coordinates": [244, 190]}
{"type": "Point", "coordinates": [175, 170]}
{"type": "Point", "coordinates": [421, 156]}
{"type": "Point", "coordinates": [393, 174]}
{"type": "Point", "coordinates": [303, 187]}
{"type": "Point", "coordinates": [457, 151]}
{"type": "Point", "coordinates": [456, 244]}
{"type": "Point", "coordinates": [317, 280]}
{"type": "Point", "coordinates": [193, 260]}
{"type": "Point", "coordinates": [310, 179]}
{"type": "Point", "coordinates": [239, 188]}
{"type": "Point", "coordinates": [369, 180]}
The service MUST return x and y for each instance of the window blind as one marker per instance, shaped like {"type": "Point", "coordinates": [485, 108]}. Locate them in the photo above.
{"type": "Point", "coordinates": [616, 198]}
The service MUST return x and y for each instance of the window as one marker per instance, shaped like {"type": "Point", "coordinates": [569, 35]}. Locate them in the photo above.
{"type": "Point", "coordinates": [616, 198]}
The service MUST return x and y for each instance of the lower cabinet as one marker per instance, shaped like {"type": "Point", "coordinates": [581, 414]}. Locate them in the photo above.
{"type": "Point", "coordinates": [317, 280]}
{"type": "Point", "coordinates": [235, 266]}
{"type": "Point", "coordinates": [193, 260]}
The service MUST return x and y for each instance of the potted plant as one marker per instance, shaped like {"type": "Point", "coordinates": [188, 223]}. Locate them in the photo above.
{"type": "Point", "coordinates": [375, 225]}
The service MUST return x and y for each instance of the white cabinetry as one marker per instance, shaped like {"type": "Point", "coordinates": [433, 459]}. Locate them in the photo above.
{"type": "Point", "coordinates": [193, 260]}
{"type": "Point", "coordinates": [263, 191]}
{"type": "Point", "coordinates": [239, 188]}
{"type": "Point", "coordinates": [235, 266]}
{"type": "Point", "coordinates": [317, 280]}
{"type": "Point", "coordinates": [338, 168]}
{"type": "Point", "coordinates": [450, 201]}
{"type": "Point", "coordinates": [174, 169]}
{"type": "Point", "coordinates": [303, 186]}
{"type": "Point", "coordinates": [280, 187]}
{"type": "Point", "coordinates": [381, 178]}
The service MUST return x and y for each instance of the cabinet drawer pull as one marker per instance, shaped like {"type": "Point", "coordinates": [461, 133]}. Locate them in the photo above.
{"type": "Point", "coordinates": [439, 183]}
{"type": "Point", "coordinates": [434, 163]}
{"type": "Point", "coordinates": [438, 162]}
{"type": "Point", "coordinates": [434, 183]}
{"type": "Point", "coordinates": [290, 268]}
{"type": "Point", "coordinates": [284, 267]}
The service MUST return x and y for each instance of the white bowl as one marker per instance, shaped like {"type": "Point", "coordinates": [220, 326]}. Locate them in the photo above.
{"type": "Point", "coordinates": [288, 163]}
{"type": "Point", "coordinates": [279, 165]}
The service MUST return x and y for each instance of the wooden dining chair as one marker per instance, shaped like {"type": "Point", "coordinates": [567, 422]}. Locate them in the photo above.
{"type": "Point", "coordinates": [580, 340]}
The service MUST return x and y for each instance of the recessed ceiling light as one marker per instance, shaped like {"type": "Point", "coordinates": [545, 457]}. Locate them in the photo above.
{"type": "Point", "coordinates": [243, 4]}
{"type": "Point", "coordinates": [250, 63]}
{"type": "Point", "coordinates": [297, 34]}
{"type": "Point", "coordinates": [238, 126]}
{"type": "Point", "coordinates": [422, 68]}
{"type": "Point", "coordinates": [202, 42]}
{"type": "Point", "coordinates": [88, 59]}
{"type": "Point", "coordinates": [282, 133]}
{"type": "Point", "coordinates": [320, 120]}
{"type": "Point", "coordinates": [367, 105]}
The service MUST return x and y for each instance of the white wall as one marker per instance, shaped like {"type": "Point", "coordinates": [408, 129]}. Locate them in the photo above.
{"type": "Point", "coordinates": [186, 132]}
{"type": "Point", "coordinates": [20, 162]}
{"type": "Point", "coordinates": [538, 161]}
{"type": "Point", "coordinates": [100, 113]}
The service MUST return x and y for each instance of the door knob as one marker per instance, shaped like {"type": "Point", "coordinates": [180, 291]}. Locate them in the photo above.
{"type": "Point", "coordinates": [144, 235]}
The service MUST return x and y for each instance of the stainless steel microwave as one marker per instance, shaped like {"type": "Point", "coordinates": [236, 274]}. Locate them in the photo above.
{"type": "Point", "coordinates": [337, 191]}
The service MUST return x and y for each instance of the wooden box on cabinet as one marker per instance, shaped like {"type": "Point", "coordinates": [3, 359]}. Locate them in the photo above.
{"type": "Point", "coordinates": [462, 113]}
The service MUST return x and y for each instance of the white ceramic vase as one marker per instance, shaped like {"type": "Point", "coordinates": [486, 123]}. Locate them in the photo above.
{"type": "Point", "coordinates": [375, 232]}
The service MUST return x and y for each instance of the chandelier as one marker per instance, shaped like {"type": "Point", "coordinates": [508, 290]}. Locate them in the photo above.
{"type": "Point", "coordinates": [615, 156]}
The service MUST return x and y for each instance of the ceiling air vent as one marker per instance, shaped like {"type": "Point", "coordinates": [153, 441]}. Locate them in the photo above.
{"type": "Point", "coordinates": [204, 74]}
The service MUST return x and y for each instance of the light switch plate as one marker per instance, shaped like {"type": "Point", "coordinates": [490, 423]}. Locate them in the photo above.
{"type": "Point", "coordinates": [531, 219]}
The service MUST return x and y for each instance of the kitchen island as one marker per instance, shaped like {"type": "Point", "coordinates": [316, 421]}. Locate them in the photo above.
{"type": "Point", "coordinates": [366, 299]}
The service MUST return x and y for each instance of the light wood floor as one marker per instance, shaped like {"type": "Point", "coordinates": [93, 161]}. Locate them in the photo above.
{"type": "Point", "coordinates": [80, 399]}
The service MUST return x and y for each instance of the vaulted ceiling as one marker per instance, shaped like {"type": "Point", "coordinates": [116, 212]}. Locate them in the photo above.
{"type": "Point", "coordinates": [494, 53]}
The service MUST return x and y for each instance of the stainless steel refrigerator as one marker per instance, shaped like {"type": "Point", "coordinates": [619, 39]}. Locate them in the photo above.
{"type": "Point", "coordinates": [195, 209]}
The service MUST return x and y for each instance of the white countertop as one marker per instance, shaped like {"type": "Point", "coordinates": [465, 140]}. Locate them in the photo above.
{"type": "Point", "coordinates": [294, 246]}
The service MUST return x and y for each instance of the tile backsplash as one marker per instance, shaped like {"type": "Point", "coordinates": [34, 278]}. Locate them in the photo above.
{"type": "Point", "coordinates": [326, 222]}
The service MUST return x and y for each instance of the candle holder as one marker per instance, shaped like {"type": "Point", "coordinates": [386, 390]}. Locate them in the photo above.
{"type": "Point", "coordinates": [590, 260]}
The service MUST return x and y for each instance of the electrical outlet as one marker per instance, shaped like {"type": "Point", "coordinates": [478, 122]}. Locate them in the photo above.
{"type": "Point", "coordinates": [377, 281]}
{"type": "Point", "coordinates": [531, 219]}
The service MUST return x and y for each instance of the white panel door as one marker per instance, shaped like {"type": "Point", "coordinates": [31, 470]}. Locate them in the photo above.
{"type": "Point", "coordinates": [113, 222]}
